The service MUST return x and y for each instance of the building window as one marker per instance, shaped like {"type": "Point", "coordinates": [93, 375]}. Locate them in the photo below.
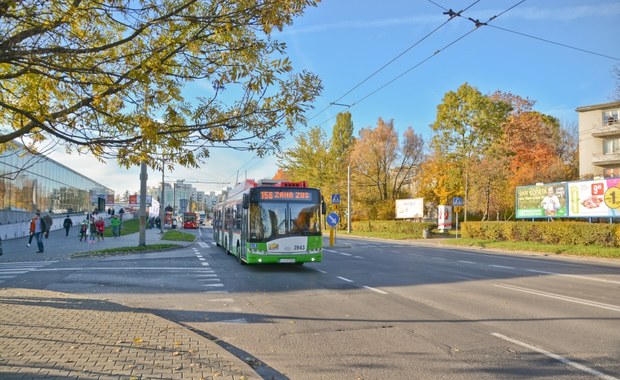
{"type": "Point", "coordinates": [611, 146]}
{"type": "Point", "coordinates": [611, 172]}
{"type": "Point", "coordinates": [610, 116]}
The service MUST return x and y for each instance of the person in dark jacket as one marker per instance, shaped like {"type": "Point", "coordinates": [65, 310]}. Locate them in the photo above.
{"type": "Point", "coordinates": [67, 225]}
{"type": "Point", "coordinates": [42, 227]}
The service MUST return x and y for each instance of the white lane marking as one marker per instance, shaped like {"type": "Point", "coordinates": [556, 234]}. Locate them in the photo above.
{"type": "Point", "coordinates": [203, 244]}
{"type": "Point", "coordinates": [557, 357]}
{"type": "Point", "coordinates": [344, 254]}
{"type": "Point", "coordinates": [329, 250]}
{"type": "Point", "coordinates": [222, 300]}
{"type": "Point", "coordinates": [395, 251]}
{"type": "Point", "coordinates": [205, 264]}
{"type": "Point", "coordinates": [467, 262]}
{"type": "Point", "coordinates": [575, 276]}
{"type": "Point", "coordinates": [345, 279]}
{"type": "Point", "coordinates": [321, 270]}
{"type": "Point", "coordinates": [208, 279]}
{"type": "Point", "coordinates": [202, 259]}
{"type": "Point", "coordinates": [359, 257]}
{"type": "Point", "coordinates": [501, 266]}
{"type": "Point", "coordinates": [375, 290]}
{"type": "Point", "coordinates": [560, 297]}
{"type": "Point", "coordinates": [119, 268]}
{"type": "Point", "coordinates": [27, 263]}
{"type": "Point", "coordinates": [208, 274]}
{"type": "Point", "coordinates": [214, 285]}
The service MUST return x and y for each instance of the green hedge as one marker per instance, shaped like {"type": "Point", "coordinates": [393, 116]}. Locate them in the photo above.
{"type": "Point", "coordinates": [393, 226]}
{"type": "Point", "coordinates": [571, 233]}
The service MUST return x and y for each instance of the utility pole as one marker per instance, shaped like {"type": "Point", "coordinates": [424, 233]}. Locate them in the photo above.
{"type": "Point", "coordinates": [348, 198]}
{"type": "Point", "coordinates": [161, 204]}
{"type": "Point", "coordinates": [143, 178]}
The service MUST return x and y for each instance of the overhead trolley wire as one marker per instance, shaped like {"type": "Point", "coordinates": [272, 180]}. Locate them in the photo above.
{"type": "Point", "coordinates": [556, 43]}
{"type": "Point", "coordinates": [452, 15]}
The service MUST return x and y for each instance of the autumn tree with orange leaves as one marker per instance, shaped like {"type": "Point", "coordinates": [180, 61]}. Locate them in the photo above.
{"type": "Point", "coordinates": [384, 168]}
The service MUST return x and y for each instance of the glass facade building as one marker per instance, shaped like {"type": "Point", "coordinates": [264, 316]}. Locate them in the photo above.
{"type": "Point", "coordinates": [34, 182]}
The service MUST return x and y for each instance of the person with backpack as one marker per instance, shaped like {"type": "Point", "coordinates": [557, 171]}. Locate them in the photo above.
{"type": "Point", "coordinates": [67, 224]}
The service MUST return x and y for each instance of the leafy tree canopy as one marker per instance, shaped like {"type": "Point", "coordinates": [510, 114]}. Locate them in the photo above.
{"type": "Point", "coordinates": [110, 78]}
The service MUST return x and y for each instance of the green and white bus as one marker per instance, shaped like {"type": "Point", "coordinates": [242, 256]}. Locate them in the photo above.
{"type": "Point", "coordinates": [269, 222]}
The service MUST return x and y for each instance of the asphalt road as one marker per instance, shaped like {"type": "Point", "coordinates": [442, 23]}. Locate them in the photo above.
{"type": "Point", "coordinates": [375, 309]}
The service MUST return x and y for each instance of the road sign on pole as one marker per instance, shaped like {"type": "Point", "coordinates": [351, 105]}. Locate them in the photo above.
{"type": "Point", "coordinates": [336, 199]}
{"type": "Point", "coordinates": [332, 219]}
{"type": "Point", "coordinates": [457, 201]}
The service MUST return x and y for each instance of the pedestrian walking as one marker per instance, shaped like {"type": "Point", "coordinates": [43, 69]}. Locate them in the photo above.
{"type": "Point", "coordinates": [93, 230]}
{"type": "Point", "coordinates": [115, 223]}
{"type": "Point", "coordinates": [67, 224]}
{"type": "Point", "coordinates": [41, 229]}
{"type": "Point", "coordinates": [100, 226]}
{"type": "Point", "coordinates": [33, 223]}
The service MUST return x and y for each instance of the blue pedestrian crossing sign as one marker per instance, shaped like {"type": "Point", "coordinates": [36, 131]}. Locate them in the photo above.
{"type": "Point", "coordinates": [335, 199]}
{"type": "Point", "coordinates": [457, 201]}
{"type": "Point", "coordinates": [332, 219]}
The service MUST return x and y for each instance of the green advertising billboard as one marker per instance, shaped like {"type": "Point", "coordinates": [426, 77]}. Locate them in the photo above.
{"type": "Point", "coordinates": [542, 201]}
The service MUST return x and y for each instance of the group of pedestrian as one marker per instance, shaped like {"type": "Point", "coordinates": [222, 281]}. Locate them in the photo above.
{"type": "Point", "coordinates": [91, 229]}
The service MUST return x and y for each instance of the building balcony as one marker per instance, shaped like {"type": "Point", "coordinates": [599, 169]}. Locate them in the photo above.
{"type": "Point", "coordinates": [606, 129]}
{"type": "Point", "coordinates": [606, 159]}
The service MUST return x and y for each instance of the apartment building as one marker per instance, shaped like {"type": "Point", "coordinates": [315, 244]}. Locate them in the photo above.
{"type": "Point", "coordinates": [599, 140]}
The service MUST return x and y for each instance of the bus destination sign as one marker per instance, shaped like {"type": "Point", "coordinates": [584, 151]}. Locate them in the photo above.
{"type": "Point", "coordinates": [287, 195]}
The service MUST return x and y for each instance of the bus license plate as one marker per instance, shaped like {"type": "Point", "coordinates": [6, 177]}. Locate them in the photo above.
{"type": "Point", "coordinates": [287, 260]}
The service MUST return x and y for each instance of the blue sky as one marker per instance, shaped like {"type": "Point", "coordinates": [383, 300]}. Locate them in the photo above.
{"type": "Point", "coordinates": [346, 41]}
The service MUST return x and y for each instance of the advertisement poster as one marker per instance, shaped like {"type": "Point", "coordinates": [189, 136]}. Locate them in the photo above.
{"type": "Point", "coordinates": [587, 198]}
{"type": "Point", "coordinates": [444, 217]}
{"type": "Point", "coordinates": [409, 208]}
{"type": "Point", "coordinates": [134, 200]}
{"type": "Point", "coordinates": [542, 201]}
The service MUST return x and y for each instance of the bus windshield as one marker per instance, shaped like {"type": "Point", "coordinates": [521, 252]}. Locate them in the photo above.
{"type": "Point", "coordinates": [273, 220]}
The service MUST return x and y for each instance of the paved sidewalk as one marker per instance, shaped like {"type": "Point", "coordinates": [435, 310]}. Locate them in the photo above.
{"type": "Point", "coordinates": [51, 335]}
{"type": "Point", "coordinates": [58, 246]}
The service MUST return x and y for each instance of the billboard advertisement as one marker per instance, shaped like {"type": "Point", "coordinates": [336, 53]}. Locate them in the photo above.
{"type": "Point", "coordinates": [444, 217]}
{"type": "Point", "coordinates": [542, 201]}
{"type": "Point", "coordinates": [409, 208]}
{"type": "Point", "coordinates": [134, 200]}
{"type": "Point", "coordinates": [596, 198]}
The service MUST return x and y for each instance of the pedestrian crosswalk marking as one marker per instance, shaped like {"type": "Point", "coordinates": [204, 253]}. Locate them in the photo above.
{"type": "Point", "coordinates": [11, 269]}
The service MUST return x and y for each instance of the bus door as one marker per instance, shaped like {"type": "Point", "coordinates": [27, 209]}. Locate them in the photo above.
{"type": "Point", "coordinates": [244, 230]}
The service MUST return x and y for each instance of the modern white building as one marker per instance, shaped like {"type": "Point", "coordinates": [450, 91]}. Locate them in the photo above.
{"type": "Point", "coordinates": [599, 140]}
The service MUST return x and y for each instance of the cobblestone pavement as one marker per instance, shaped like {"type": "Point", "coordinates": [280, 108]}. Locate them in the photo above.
{"type": "Point", "coordinates": [50, 335]}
